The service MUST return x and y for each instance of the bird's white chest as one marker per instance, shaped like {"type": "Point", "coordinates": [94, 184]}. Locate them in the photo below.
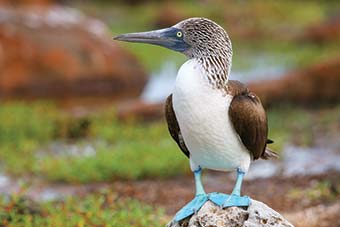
{"type": "Point", "coordinates": [202, 114]}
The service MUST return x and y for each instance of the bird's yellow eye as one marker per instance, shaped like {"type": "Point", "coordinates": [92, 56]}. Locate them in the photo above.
{"type": "Point", "coordinates": [179, 34]}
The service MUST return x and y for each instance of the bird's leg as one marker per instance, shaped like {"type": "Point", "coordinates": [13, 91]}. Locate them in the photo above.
{"type": "Point", "coordinates": [238, 184]}
{"type": "Point", "coordinates": [194, 205]}
{"type": "Point", "coordinates": [198, 182]}
{"type": "Point", "coordinates": [235, 199]}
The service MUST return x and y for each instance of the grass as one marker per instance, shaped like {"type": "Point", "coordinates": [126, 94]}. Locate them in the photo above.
{"type": "Point", "coordinates": [285, 122]}
{"type": "Point", "coordinates": [103, 209]}
{"type": "Point", "coordinates": [120, 150]}
{"type": "Point", "coordinates": [300, 126]}
{"type": "Point", "coordinates": [23, 129]}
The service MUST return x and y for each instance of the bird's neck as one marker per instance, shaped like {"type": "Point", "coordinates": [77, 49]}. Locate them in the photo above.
{"type": "Point", "coordinates": [217, 69]}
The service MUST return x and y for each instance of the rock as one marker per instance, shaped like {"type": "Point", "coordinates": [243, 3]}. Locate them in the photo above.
{"type": "Point", "coordinates": [168, 15]}
{"type": "Point", "coordinates": [139, 110]}
{"type": "Point", "coordinates": [315, 85]}
{"type": "Point", "coordinates": [27, 2]}
{"type": "Point", "coordinates": [58, 52]}
{"type": "Point", "coordinates": [325, 31]}
{"type": "Point", "coordinates": [211, 215]}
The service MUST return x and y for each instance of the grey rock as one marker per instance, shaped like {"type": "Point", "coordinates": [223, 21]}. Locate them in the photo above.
{"type": "Point", "coordinates": [211, 215]}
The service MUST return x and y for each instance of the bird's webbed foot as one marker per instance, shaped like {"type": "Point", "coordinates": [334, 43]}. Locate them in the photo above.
{"type": "Point", "coordinates": [192, 207]}
{"type": "Point", "coordinates": [235, 199]}
{"type": "Point", "coordinates": [225, 200]}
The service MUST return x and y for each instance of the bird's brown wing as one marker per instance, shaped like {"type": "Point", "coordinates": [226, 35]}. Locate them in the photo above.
{"type": "Point", "coordinates": [249, 120]}
{"type": "Point", "coordinates": [173, 126]}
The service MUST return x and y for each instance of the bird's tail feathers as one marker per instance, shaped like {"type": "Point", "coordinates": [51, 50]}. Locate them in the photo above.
{"type": "Point", "coordinates": [269, 141]}
{"type": "Point", "coordinates": [268, 153]}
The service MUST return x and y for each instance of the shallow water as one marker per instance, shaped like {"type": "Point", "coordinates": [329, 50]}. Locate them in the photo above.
{"type": "Point", "coordinates": [160, 84]}
{"type": "Point", "coordinates": [261, 67]}
{"type": "Point", "coordinates": [4, 180]}
{"type": "Point", "coordinates": [309, 161]}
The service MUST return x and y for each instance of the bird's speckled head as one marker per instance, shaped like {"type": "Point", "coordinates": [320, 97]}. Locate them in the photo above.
{"type": "Point", "coordinates": [204, 37]}
{"type": "Point", "coordinates": [198, 38]}
{"type": "Point", "coordinates": [210, 44]}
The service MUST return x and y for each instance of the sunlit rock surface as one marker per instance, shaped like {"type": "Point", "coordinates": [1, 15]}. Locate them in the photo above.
{"type": "Point", "coordinates": [315, 85]}
{"type": "Point", "coordinates": [210, 215]}
{"type": "Point", "coordinates": [56, 51]}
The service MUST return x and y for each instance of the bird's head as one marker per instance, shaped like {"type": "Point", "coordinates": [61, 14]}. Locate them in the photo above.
{"type": "Point", "coordinates": [197, 38]}
{"type": "Point", "coordinates": [194, 37]}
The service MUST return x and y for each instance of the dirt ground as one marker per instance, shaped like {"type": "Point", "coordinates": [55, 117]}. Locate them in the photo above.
{"type": "Point", "coordinates": [306, 201]}
{"type": "Point", "coordinates": [303, 200]}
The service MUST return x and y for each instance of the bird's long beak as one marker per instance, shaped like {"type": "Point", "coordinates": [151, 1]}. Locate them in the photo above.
{"type": "Point", "coordinates": [157, 37]}
{"type": "Point", "coordinates": [163, 37]}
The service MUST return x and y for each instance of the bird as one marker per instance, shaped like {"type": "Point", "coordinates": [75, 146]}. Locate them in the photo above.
{"type": "Point", "coordinates": [217, 123]}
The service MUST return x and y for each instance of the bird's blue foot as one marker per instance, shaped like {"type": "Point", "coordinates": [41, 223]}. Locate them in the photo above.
{"type": "Point", "coordinates": [220, 199]}
{"type": "Point", "coordinates": [225, 200]}
{"type": "Point", "coordinates": [235, 199]}
{"type": "Point", "coordinates": [192, 207]}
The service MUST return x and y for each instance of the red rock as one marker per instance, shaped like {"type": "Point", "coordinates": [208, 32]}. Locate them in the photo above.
{"type": "Point", "coordinates": [316, 85]}
{"type": "Point", "coordinates": [140, 111]}
{"type": "Point", "coordinates": [58, 52]}
{"type": "Point", "coordinates": [325, 31]}
{"type": "Point", "coordinates": [168, 15]}
{"type": "Point", "coordinates": [27, 2]}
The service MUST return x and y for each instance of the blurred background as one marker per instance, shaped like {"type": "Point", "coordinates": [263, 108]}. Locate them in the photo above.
{"type": "Point", "coordinates": [83, 140]}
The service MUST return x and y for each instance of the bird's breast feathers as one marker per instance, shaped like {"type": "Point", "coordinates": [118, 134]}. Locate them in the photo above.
{"type": "Point", "coordinates": [202, 115]}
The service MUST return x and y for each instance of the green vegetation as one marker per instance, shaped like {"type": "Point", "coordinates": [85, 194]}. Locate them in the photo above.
{"type": "Point", "coordinates": [323, 190]}
{"type": "Point", "coordinates": [23, 129]}
{"type": "Point", "coordinates": [120, 150]}
{"type": "Point", "coordinates": [293, 124]}
{"type": "Point", "coordinates": [105, 209]}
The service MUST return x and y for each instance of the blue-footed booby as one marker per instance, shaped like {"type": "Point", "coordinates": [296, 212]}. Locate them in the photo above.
{"type": "Point", "coordinates": [217, 123]}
